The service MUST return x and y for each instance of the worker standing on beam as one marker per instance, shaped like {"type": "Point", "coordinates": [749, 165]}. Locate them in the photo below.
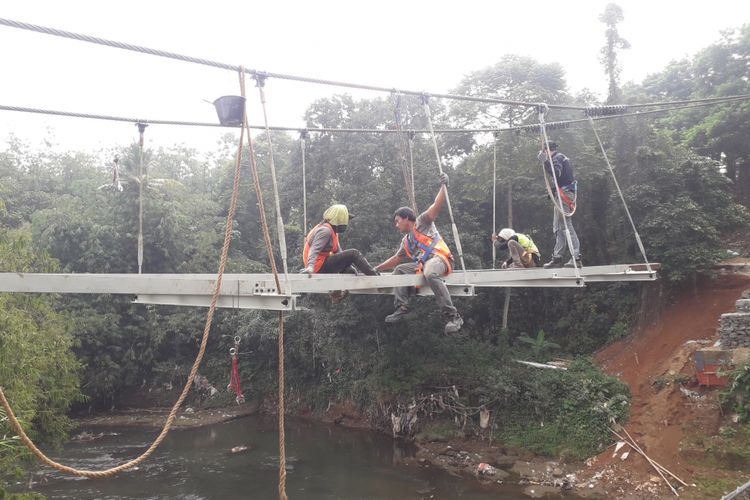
{"type": "Point", "coordinates": [565, 193]}
{"type": "Point", "coordinates": [429, 255]}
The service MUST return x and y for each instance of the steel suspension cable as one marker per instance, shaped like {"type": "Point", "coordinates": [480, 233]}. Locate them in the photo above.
{"type": "Point", "coordinates": [16, 425]}
{"type": "Point", "coordinates": [518, 128]}
{"type": "Point", "coordinates": [274, 270]}
{"type": "Point", "coordinates": [456, 236]}
{"type": "Point", "coordinates": [303, 147]}
{"type": "Point", "coordinates": [411, 168]}
{"type": "Point", "coordinates": [206, 62]}
{"type": "Point", "coordinates": [494, 199]}
{"type": "Point", "coordinates": [408, 179]}
{"type": "Point", "coordinates": [622, 197]}
{"type": "Point", "coordinates": [141, 181]}
{"type": "Point", "coordinates": [556, 200]}
{"type": "Point", "coordinates": [260, 81]}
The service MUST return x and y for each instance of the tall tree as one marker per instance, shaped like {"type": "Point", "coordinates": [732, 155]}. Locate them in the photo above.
{"type": "Point", "coordinates": [611, 17]}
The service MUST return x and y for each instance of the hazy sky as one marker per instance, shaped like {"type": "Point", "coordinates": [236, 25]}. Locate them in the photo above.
{"type": "Point", "coordinates": [415, 45]}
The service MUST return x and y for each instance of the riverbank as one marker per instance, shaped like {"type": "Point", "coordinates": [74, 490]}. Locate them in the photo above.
{"type": "Point", "coordinates": [154, 418]}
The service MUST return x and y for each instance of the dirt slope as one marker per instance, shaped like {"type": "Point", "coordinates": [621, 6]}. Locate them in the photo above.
{"type": "Point", "coordinates": [662, 415]}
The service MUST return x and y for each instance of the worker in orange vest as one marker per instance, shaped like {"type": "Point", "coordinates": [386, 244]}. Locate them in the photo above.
{"type": "Point", "coordinates": [429, 255]}
{"type": "Point", "coordinates": [323, 253]}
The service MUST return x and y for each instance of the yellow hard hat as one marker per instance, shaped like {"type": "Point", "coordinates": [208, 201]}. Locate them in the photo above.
{"type": "Point", "coordinates": [337, 215]}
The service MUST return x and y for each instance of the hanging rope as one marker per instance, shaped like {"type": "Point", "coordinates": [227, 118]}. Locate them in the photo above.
{"type": "Point", "coordinates": [191, 377]}
{"type": "Point", "coordinates": [405, 171]}
{"type": "Point", "coordinates": [272, 259]}
{"type": "Point", "coordinates": [556, 200]}
{"type": "Point", "coordinates": [141, 180]}
{"type": "Point", "coordinates": [260, 80]}
{"type": "Point", "coordinates": [302, 145]}
{"type": "Point", "coordinates": [622, 197]}
{"type": "Point", "coordinates": [456, 236]}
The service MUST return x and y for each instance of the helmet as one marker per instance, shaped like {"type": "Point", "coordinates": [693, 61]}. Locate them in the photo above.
{"type": "Point", "coordinates": [337, 215]}
{"type": "Point", "coordinates": [506, 233]}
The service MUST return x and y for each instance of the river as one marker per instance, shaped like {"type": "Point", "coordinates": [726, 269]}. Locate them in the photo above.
{"type": "Point", "coordinates": [323, 462]}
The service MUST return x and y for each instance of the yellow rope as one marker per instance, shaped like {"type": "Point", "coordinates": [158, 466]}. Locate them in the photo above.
{"type": "Point", "coordinates": [193, 372]}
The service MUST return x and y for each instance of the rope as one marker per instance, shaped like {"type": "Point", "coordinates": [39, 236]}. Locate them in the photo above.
{"type": "Point", "coordinates": [456, 236]}
{"type": "Point", "coordinates": [302, 145]}
{"type": "Point", "coordinates": [206, 62]}
{"type": "Point", "coordinates": [556, 200]}
{"type": "Point", "coordinates": [324, 130]}
{"type": "Point", "coordinates": [272, 259]}
{"type": "Point", "coordinates": [282, 412]}
{"type": "Point", "coordinates": [193, 371]}
{"type": "Point", "coordinates": [622, 197]}
{"type": "Point", "coordinates": [408, 178]}
{"type": "Point", "coordinates": [260, 83]}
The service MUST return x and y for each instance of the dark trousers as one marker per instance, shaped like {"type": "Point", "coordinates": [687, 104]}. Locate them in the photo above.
{"type": "Point", "coordinates": [343, 261]}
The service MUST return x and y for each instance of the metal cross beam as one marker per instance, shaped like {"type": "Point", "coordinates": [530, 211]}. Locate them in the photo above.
{"type": "Point", "coordinates": [258, 291]}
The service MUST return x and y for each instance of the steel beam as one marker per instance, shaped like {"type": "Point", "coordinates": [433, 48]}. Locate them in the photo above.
{"type": "Point", "coordinates": [259, 291]}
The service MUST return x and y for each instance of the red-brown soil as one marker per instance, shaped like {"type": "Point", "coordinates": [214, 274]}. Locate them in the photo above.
{"type": "Point", "coordinates": [653, 362]}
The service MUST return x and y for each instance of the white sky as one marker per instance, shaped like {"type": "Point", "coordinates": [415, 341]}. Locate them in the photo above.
{"type": "Point", "coordinates": [415, 45]}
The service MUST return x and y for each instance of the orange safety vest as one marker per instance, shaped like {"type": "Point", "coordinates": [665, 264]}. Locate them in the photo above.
{"type": "Point", "coordinates": [428, 246]}
{"type": "Point", "coordinates": [323, 255]}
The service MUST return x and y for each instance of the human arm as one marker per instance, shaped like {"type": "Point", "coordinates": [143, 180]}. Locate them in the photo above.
{"type": "Point", "coordinates": [432, 212]}
{"type": "Point", "coordinates": [389, 263]}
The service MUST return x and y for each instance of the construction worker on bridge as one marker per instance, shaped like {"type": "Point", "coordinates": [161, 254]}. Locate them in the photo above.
{"type": "Point", "coordinates": [522, 251]}
{"type": "Point", "coordinates": [323, 253]}
{"type": "Point", "coordinates": [429, 255]}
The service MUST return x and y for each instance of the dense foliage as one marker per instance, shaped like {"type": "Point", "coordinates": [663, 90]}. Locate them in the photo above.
{"type": "Point", "coordinates": [679, 176]}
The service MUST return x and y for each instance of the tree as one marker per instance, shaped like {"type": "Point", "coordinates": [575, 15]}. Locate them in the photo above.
{"type": "Point", "coordinates": [611, 17]}
{"type": "Point", "coordinates": [38, 371]}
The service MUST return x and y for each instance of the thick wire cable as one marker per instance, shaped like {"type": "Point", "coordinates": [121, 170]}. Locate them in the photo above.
{"type": "Point", "coordinates": [411, 168]}
{"type": "Point", "coordinates": [556, 199]}
{"type": "Point", "coordinates": [279, 219]}
{"type": "Point", "coordinates": [206, 62]}
{"type": "Point", "coordinates": [494, 199]}
{"type": "Point", "coordinates": [191, 377]}
{"type": "Point", "coordinates": [456, 236]}
{"type": "Point", "coordinates": [141, 181]}
{"type": "Point", "coordinates": [622, 197]}
{"type": "Point", "coordinates": [518, 128]}
{"type": "Point", "coordinates": [303, 147]}
{"type": "Point", "coordinates": [402, 142]}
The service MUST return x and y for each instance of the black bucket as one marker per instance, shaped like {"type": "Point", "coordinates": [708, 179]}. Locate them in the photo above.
{"type": "Point", "coordinates": [231, 110]}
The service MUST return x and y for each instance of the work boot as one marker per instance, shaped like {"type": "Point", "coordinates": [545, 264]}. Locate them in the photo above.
{"type": "Point", "coordinates": [454, 324]}
{"type": "Point", "coordinates": [338, 295]}
{"type": "Point", "coordinates": [399, 314]}
{"type": "Point", "coordinates": [555, 262]}
{"type": "Point", "coordinates": [570, 262]}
